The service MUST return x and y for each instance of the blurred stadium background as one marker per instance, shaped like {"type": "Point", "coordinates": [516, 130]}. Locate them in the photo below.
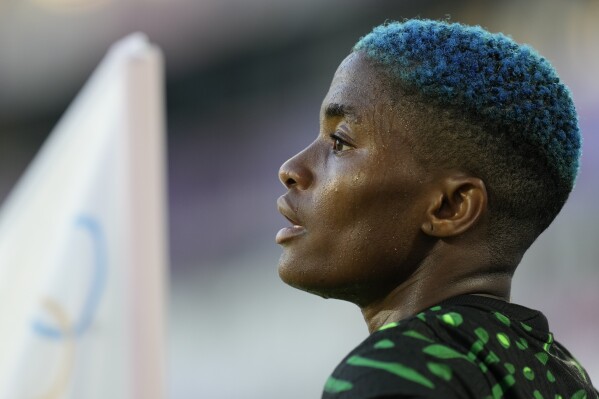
{"type": "Point", "coordinates": [245, 79]}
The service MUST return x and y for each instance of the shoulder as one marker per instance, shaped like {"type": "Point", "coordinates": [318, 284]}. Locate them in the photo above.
{"type": "Point", "coordinates": [424, 356]}
{"type": "Point", "coordinates": [471, 347]}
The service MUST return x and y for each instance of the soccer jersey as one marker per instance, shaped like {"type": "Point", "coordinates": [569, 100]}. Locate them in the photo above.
{"type": "Point", "coordinates": [466, 347]}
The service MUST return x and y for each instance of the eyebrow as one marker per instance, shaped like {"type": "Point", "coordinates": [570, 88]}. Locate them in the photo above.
{"type": "Point", "coordinates": [339, 110]}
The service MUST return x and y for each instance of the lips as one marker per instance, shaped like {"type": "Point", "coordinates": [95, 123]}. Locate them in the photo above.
{"type": "Point", "coordinates": [288, 233]}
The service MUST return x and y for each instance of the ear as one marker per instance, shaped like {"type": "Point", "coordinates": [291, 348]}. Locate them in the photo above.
{"type": "Point", "coordinates": [456, 206]}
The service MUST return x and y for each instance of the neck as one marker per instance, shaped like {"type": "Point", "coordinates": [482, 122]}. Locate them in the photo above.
{"type": "Point", "coordinates": [426, 288]}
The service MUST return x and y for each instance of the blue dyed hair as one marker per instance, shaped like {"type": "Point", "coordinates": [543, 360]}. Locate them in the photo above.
{"type": "Point", "coordinates": [510, 86]}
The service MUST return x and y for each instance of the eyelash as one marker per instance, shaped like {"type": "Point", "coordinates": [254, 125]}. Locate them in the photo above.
{"type": "Point", "coordinates": [339, 141]}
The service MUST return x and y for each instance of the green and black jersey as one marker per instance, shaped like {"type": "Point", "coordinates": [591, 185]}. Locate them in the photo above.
{"type": "Point", "coordinates": [467, 347]}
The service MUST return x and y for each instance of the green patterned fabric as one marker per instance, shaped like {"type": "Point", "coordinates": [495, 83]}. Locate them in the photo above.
{"type": "Point", "coordinates": [466, 347]}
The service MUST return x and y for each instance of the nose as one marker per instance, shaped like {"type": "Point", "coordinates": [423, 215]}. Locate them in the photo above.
{"type": "Point", "coordinates": [294, 173]}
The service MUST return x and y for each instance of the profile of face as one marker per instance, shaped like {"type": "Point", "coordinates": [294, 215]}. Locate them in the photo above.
{"type": "Point", "coordinates": [354, 195]}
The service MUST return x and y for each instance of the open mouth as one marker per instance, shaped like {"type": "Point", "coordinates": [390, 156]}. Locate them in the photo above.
{"type": "Point", "coordinates": [286, 209]}
{"type": "Point", "coordinates": [289, 232]}
{"type": "Point", "coordinates": [293, 222]}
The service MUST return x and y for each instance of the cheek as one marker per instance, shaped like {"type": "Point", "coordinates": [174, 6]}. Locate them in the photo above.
{"type": "Point", "coordinates": [339, 199]}
{"type": "Point", "coordinates": [376, 210]}
{"type": "Point", "coordinates": [358, 208]}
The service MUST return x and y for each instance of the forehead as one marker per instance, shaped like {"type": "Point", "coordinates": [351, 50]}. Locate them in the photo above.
{"type": "Point", "coordinates": [357, 87]}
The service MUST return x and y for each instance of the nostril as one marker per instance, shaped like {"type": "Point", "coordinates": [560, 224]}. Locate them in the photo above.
{"type": "Point", "coordinates": [293, 174]}
{"type": "Point", "coordinates": [290, 182]}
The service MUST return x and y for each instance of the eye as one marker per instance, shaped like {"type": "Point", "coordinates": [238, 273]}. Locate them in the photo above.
{"type": "Point", "coordinates": [339, 145]}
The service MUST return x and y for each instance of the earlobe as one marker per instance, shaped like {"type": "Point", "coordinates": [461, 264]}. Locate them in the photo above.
{"type": "Point", "coordinates": [455, 207]}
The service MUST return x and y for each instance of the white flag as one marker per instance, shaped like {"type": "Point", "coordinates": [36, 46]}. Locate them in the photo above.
{"type": "Point", "coordinates": [83, 256]}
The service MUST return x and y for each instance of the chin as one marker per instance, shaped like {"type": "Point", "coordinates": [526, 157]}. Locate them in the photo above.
{"type": "Point", "coordinates": [293, 273]}
{"type": "Point", "coordinates": [301, 276]}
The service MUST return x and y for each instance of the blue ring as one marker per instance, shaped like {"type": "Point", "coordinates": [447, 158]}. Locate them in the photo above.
{"type": "Point", "coordinates": [98, 282]}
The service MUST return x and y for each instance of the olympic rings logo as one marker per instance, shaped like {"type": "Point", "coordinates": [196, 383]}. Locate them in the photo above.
{"type": "Point", "coordinates": [65, 329]}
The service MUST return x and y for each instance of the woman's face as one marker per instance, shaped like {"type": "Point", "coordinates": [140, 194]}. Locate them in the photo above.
{"type": "Point", "coordinates": [354, 194]}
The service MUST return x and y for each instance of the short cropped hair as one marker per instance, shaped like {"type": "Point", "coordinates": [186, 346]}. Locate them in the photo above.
{"type": "Point", "coordinates": [489, 105]}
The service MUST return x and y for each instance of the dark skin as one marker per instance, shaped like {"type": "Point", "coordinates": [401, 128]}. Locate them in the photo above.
{"type": "Point", "coordinates": [371, 223]}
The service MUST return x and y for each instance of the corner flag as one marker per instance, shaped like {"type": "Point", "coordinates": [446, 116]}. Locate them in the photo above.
{"type": "Point", "coordinates": [83, 246]}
